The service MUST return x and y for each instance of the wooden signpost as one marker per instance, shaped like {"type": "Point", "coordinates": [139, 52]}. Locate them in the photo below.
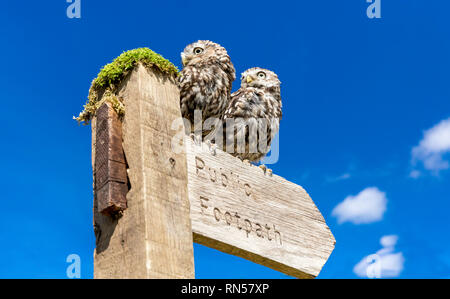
{"type": "Point", "coordinates": [198, 195]}
{"type": "Point", "coordinates": [238, 209]}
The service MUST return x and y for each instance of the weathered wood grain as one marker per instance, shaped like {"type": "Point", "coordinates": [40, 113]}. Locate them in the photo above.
{"type": "Point", "coordinates": [153, 238]}
{"type": "Point", "coordinates": [110, 169]}
{"type": "Point", "coordinates": [238, 209]}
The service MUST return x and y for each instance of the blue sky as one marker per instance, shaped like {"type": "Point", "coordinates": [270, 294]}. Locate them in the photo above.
{"type": "Point", "coordinates": [359, 95]}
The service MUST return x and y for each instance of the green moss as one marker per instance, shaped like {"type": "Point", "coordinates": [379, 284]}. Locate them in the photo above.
{"type": "Point", "coordinates": [111, 75]}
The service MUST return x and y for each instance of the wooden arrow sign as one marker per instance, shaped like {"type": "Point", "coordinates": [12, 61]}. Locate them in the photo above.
{"type": "Point", "coordinates": [238, 209]}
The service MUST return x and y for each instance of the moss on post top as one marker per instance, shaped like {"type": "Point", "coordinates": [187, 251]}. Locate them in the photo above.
{"type": "Point", "coordinates": [112, 74]}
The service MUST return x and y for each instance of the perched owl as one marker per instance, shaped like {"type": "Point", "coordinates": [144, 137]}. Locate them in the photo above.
{"type": "Point", "coordinates": [205, 81]}
{"type": "Point", "coordinates": [255, 110]}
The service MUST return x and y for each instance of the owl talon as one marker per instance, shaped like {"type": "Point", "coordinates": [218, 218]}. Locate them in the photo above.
{"type": "Point", "coordinates": [212, 147]}
{"type": "Point", "coordinates": [196, 138]}
{"type": "Point", "coordinates": [267, 171]}
{"type": "Point", "coordinates": [246, 162]}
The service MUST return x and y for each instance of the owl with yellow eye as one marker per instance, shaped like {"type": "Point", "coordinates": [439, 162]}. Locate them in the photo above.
{"type": "Point", "coordinates": [205, 81]}
{"type": "Point", "coordinates": [256, 104]}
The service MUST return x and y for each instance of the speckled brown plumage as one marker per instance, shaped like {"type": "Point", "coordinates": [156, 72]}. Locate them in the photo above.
{"type": "Point", "coordinates": [205, 81]}
{"type": "Point", "coordinates": [257, 101]}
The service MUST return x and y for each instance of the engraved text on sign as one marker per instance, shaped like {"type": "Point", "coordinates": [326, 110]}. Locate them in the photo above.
{"type": "Point", "coordinates": [238, 209]}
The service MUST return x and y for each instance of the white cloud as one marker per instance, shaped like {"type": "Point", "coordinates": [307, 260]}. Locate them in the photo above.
{"type": "Point", "coordinates": [389, 241]}
{"type": "Point", "coordinates": [385, 263]}
{"type": "Point", "coordinates": [366, 207]}
{"type": "Point", "coordinates": [433, 147]}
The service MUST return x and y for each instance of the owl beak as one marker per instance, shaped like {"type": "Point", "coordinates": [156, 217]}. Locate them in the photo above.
{"type": "Point", "coordinates": [184, 59]}
{"type": "Point", "coordinates": [249, 79]}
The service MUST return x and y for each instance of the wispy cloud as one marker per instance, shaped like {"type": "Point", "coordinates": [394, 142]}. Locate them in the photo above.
{"type": "Point", "coordinates": [415, 174]}
{"type": "Point", "coordinates": [433, 147]}
{"type": "Point", "coordinates": [366, 207]}
{"type": "Point", "coordinates": [342, 177]}
{"type": "Point", "coordinates": [384, 263]}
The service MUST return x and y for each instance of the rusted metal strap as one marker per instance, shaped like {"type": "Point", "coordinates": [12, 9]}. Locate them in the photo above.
{"type": "Point", "coordinates": [111, 182]}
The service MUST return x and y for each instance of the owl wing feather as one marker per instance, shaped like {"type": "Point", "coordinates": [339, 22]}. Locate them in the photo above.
{"type": "Point", "coordinates": [253, 105]}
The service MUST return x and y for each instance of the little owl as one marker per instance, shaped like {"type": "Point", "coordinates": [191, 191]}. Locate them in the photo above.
{"type": "Point", "coordinates": [255, 110]}
{"type": "Point", "coordinates": [205, 81]}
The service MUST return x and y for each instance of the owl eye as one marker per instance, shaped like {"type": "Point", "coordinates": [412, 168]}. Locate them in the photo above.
{"type": "Point", "coordinates": [198, 51]}
{"type": "Point", "coordinates": [261, 75]}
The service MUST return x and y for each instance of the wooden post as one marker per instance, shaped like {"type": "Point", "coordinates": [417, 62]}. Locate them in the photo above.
{"type": "Point", "coordinates": [197, 194]}
{"type": "Point", "coordinates": [153, 237]}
